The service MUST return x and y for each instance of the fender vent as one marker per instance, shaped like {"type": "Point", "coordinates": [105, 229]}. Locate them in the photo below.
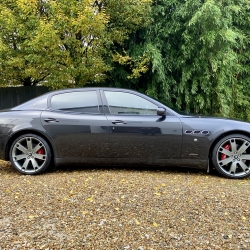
{"type": "Point", "coordinates": [197, 132]}
{"type": "Point", "coordinates": [205, 132]}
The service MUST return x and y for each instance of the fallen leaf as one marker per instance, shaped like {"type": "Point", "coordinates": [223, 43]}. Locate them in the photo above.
{"type": "Point", "coordinates": [137, 222]}
{"type": "Point", "coordinates": [158, 194]}
{"type": "Point", "coordinates": [90, 199]}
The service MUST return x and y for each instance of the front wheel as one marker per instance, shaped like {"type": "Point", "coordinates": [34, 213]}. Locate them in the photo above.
{"type": "Point", "coordinates": [231, 156]}
{"type": "Point", "coordinates": [30, 154]}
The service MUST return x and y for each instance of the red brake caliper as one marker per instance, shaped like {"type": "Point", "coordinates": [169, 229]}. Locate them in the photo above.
{"type": "Point", "coordinates": [40, 152]}
{"type": "Point", "coordinates": [223, 156]}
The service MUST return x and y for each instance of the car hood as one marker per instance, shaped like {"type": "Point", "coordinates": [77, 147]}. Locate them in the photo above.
{"type": "Point", "coordinates": [213, 124]}
{"type": "Point", "coordinates": [212, 117]}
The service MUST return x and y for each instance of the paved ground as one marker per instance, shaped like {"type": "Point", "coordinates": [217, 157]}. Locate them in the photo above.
{"type": "Point", "coordinates": [118, 208]}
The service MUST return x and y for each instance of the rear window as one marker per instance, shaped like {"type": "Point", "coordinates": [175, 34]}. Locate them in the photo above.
{"type": "Point", "coordinates": [84, 102]}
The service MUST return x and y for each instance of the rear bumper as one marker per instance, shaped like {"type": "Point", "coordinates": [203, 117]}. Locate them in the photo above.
{"type": "Point", "coordinates": [1, 148]}
{"type": "Point", "coordinates": [3, 142]}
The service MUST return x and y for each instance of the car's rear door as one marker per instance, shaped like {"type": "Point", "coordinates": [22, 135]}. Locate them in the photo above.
{"type": "Point", "coordinates": [78, 126]}
{"type": "Point", "coordinates": [137, 133]}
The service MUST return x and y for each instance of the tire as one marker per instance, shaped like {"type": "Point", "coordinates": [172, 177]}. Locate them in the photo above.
{"type": "Point", "coordinates": [231, 156]}
{"type": "Point", "coordinates": [30, 154]}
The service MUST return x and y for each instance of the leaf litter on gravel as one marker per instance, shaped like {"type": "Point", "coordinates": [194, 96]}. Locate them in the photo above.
{"type": "Point", "coordinates": [119, 208]}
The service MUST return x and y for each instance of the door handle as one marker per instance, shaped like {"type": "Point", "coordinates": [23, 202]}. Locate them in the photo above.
{"type": "Point", "coordinates": [50, 120]}
{"type": "Point", "coordinates": [118, 122]}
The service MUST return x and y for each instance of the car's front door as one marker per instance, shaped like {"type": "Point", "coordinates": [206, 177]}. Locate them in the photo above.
{"type": "Point", "coordinates": [77, 125]}
{"type": "Point", "coordinates": [137, 133]}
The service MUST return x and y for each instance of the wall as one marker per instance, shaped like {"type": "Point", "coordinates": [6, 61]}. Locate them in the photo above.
{"type": "Point", "coordinates": [13, 96]}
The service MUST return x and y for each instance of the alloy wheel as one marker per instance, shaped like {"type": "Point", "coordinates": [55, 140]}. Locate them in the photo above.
{"type": "Point", "coordinates": [233, 157]}
{"type": "Point", "coordinates": [29, 154]}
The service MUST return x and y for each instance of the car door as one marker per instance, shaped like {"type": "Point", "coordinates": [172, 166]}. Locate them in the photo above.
{"type": "Point", "coordinates": [78, 126]}
{"type": "Point", "coordinates": [137, 133]}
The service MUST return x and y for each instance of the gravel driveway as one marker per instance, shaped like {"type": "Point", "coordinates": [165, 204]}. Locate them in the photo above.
{"type": "Point", "coordinates": [118, 208]}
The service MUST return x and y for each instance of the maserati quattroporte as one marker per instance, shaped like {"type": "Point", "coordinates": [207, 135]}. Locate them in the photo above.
{"type": "Point", "coordinates": [118, 126]}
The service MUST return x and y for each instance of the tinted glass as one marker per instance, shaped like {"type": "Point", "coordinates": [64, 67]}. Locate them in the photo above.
{"type": "Point", "coordinates": [126, 103]}
{"type": "Point", "coordinates": [84, 102]}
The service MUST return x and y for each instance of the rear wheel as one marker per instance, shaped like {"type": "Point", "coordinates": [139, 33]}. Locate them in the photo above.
{"type": "Point", "coordinates": [231, 156]}
{"type": "Point", "coordinates": [30, 154]}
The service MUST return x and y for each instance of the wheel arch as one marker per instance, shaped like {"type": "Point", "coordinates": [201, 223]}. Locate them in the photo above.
{"type": "Point", "coordinates": [224, 135]}
{"type": "Point", "coordinates": [27, 131]}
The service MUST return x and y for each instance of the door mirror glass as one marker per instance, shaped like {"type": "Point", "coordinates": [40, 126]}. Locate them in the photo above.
{"type": "Point", "coordinates": [161, 111]}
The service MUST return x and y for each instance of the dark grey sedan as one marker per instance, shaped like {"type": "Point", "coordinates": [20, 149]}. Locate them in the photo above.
{"type": "Point", "coordinates": [118, 126]}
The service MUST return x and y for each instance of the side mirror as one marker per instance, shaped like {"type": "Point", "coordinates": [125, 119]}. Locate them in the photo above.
{"type": "Point", "coordinates": [161, 111]}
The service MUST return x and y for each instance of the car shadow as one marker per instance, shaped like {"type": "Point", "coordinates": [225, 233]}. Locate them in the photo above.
{"type": "Point", "coordinates": [169, 169]}
{"type": "Point", "coordinates": [7, 169]}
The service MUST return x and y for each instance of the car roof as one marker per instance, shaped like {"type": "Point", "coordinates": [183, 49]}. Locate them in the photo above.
{"type": "Point", "coordinates": [40, 102]}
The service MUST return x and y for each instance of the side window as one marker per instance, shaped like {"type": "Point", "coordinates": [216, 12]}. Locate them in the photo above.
{"type": "Point", "coordinates": [84, 102]}
{"type": "Point", "coordinates": [126, 103]}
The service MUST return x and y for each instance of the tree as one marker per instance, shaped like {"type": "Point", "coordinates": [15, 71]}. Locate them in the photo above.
{"type": "Point", "coordinates": [59, 42]}
{"type": "Point", "coordinates": [209, 53]}
{"type": "Point", "coordinates": [197, 56]}
{"type": "Point", "coordinates": [62, 43]}
{"type": "Point", "coordinates": [240, 105]}
{"type": "Point", "coordinates": [126, 18]}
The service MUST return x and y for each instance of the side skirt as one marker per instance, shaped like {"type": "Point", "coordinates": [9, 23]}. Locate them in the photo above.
{"type": "Point", "coordinates": [189, 163]}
